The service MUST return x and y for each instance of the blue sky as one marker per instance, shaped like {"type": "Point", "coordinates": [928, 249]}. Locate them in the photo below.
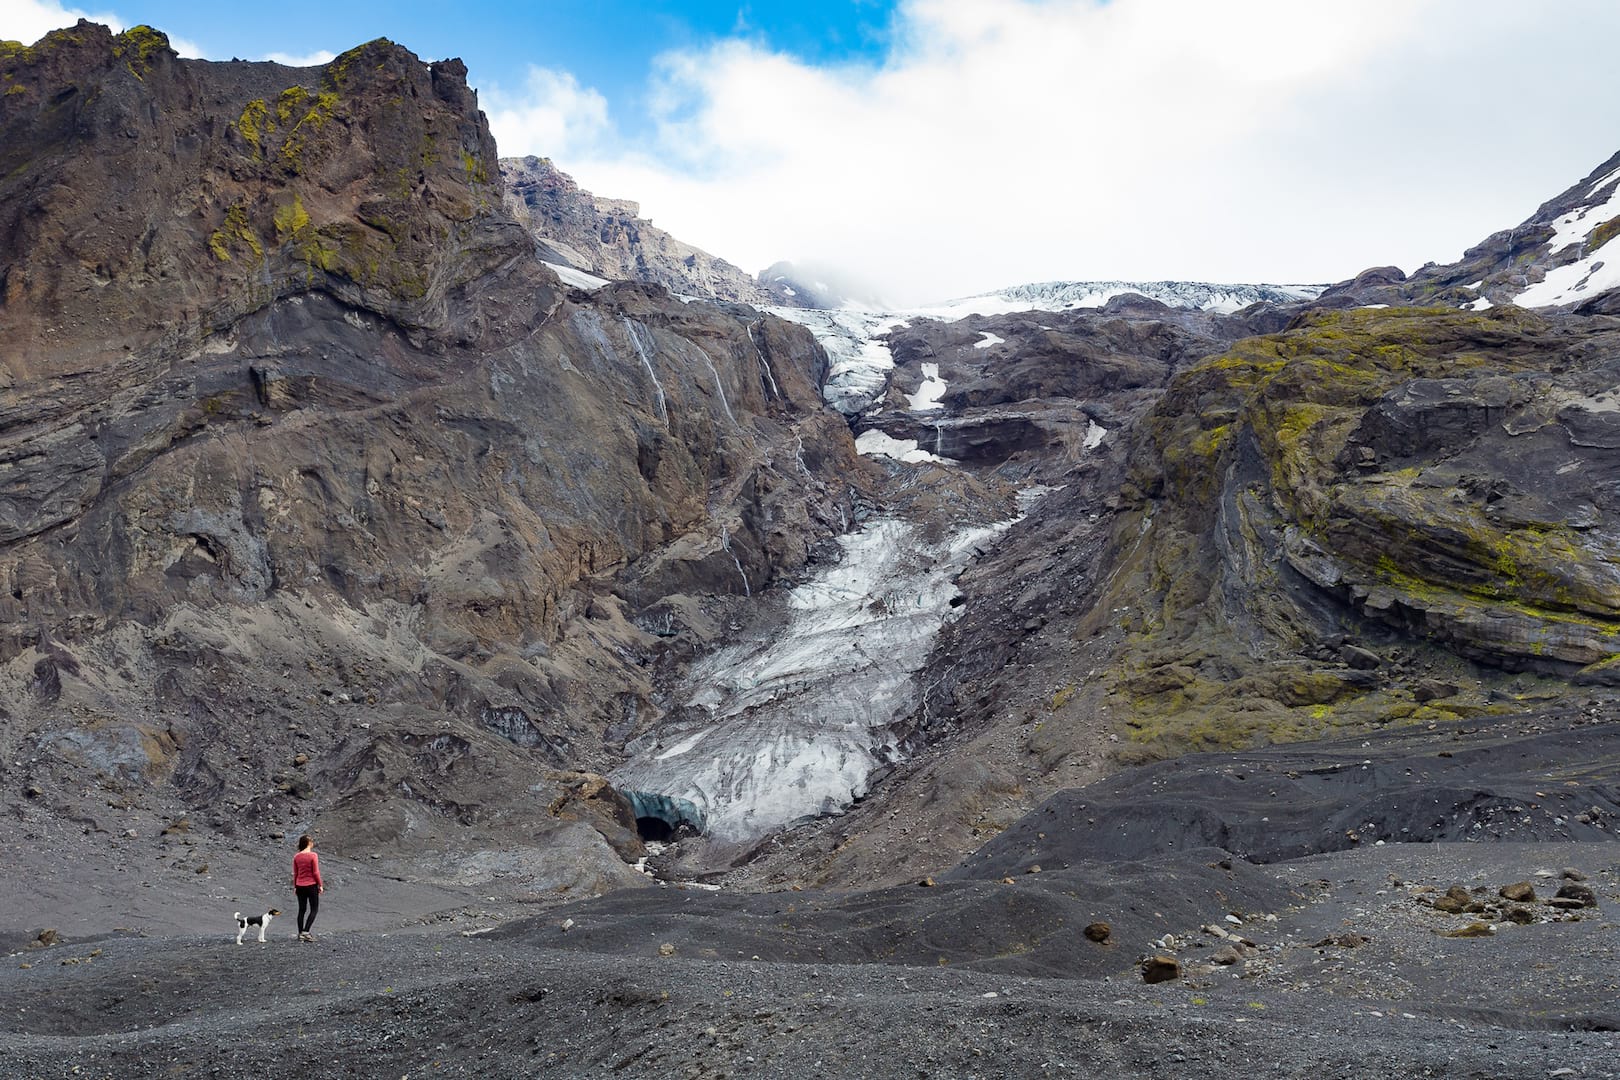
{"type": "Point", "coordinates": [937, 148]}
{"type": "Point", "coordinates": [609, 45]}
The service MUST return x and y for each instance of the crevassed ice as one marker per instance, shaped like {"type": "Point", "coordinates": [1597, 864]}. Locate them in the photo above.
{"type": "Point", "coordinates": [800, 720]}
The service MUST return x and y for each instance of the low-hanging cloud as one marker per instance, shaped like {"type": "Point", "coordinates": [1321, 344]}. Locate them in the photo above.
{"type": "Point", "coordinates": [1257, 140]}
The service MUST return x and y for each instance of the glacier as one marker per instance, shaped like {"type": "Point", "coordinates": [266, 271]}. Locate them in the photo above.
{"type": "Point", "coordinates": [791, 725]}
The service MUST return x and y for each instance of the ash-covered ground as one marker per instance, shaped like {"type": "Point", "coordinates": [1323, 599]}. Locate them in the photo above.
{"type": "Point", "coordinates": [1481, 943]}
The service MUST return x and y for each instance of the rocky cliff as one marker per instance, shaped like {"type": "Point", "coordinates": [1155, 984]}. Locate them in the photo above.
{"type": "Point", "coordinates": [610, 239]}
{"type": "Point", "coordinates": [325, 501]}
{"type": "Point", "coordinates": [1300, 521]}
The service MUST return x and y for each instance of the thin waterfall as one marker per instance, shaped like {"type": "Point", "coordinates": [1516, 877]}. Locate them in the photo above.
{"type": "Point", "coordinates": [707, 359]}
{"type": "Point", "coordinates": [764, 364]}
{"type": "Point", "coordinates": [725, 544]}
{"type": "Point", "coordinates": [633, 331]}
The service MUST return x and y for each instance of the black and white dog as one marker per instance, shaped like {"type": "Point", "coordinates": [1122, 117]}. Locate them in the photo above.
{"type": "Point", "coordinates": [244, 923]}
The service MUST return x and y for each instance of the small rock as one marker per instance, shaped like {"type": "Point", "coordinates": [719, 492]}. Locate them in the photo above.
{"type": "Point", "coordinates": [1571, 874]}
{"type": "Point", "coordinates": [567, 925]}
{"type": "Point", "coordinates": [48, 936]}
{"type": "Point", "coordinates": [1158, 969]}
{"type": "Point", "coordinates": [1473, 930]}
{"type": "Point", "coordinates": [131, 833]}
{"type": "Point", "coordinates": [1433, 690]}
{"type": "Point", "coordinates": [1034, 869]}
{"type": "Point", "coordinates": [1227, 955]}
{"type": "Point", "coordinates": [666, 949]}
{"type": "Point", "coordinates": [300, 761]}
{"type": "Point", "coordinates": [1345, 940]}
{"type": "Point", "coordinates": [1008, 881]}
{"type": "Point", "coordinates": [203, 869]}
{"type": "Point", "coordinates": [1357, 657]}
{"type": "Point", "coordinates": [1521, 915]}
{"type": "Point", "coordinates": [1564, 903]}
{"type": "Point", "coordinates": [927, 883]}
{"type": "Point", "coordinates": [1518, 892]}
{"type": "Point", "coordinates": [33, 791]}
{"type": "Point", "coordinates": [1583, 893]}
{"type": "Point", "coordinates": [1099, 932]}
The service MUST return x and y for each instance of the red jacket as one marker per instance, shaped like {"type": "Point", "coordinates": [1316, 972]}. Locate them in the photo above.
{"type": "Point", "coordinates": [307, 869]}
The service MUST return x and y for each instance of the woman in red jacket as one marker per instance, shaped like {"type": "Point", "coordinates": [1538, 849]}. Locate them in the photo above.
{"type": "Point", "coordinates": [306, 879]}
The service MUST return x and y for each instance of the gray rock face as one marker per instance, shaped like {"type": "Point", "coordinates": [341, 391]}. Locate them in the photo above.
{"type": "Point", "coordinates": [326, 465]}
{"type": "Point", "coordinates": [609, 238]}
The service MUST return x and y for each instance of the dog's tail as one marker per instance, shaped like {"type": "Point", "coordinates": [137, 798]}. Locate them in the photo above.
{"type": "Point", "coordinates": [237, 916]}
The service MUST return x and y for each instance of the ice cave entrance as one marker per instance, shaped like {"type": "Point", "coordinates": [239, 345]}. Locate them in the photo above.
{"type": "Point", "coordinates": [664, 817]}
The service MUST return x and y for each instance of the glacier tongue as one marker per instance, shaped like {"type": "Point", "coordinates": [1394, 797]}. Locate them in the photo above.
{"type": "Point", "coordinates": [860, 364]}
{"type": "Point", "coordinates": [799, 722]}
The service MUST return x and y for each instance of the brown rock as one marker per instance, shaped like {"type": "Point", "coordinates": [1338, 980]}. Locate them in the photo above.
{"type": "Point", "coordinates": [666, 949]}
{"type": "Point", "coordinates": [927, 883]}
{"type": "Point", "coordinates": [1433, 690]}
{"type": "Point", "coordinates": [1227, 955]}
{"type": "Point", "coordinates": [1160, 968]}
{"type": "Point", "coordinates": [1099, 932]}
{"type": "Point", "coordinates": [1521, 915]}
{"type": "Point", "coordinates": [1569, 873]}
{"type": "Point", "coordinates": [1583, 893]}
{"type": "Point", "coordinates": [1473, 930]}
{"type": "Point", "coordinates": [1034, 869]}
{"type": "Point", "coordinates": [1519, 892]}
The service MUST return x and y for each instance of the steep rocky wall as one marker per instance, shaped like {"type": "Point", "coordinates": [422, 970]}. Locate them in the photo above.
{"type": "Point", "coordinates": [324, 499]}
{"type": "Point", "coordinates": [610, 238]}
{"type": "Point", "coordinates": [1319, 520]}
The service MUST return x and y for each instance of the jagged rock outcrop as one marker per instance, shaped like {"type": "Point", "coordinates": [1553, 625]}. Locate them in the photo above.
{"type": "Point", "coordinates": [324, 499]}
{"type": "Point", "coordinates": [610, 239]}
{"type": "Point", "coordinates": [1553, 258]}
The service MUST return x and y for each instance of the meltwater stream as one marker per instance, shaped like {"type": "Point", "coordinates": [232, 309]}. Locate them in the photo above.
{"type": "Point", "coordinates": [797, 724]}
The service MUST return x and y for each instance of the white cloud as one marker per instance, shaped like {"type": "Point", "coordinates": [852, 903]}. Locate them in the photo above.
{"type": "Point", "coordinates": [1028, 139]}
{"type": "Point", "coordinates": [553, 115]}
{"type": "Point", "coordinates": [29, 20]}
{"type": "Point", "coordinates": [314, 59]}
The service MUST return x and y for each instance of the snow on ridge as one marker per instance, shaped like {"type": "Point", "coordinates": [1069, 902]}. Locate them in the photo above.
{"type": "Point", "coordinates": [1575, 226]}
{"type": "Point", "coordinates": [1066, 295]}
{"type": "Point", "coordinates": [579, 279]}
{"type": "Point", "coordinates": [1579, 280]}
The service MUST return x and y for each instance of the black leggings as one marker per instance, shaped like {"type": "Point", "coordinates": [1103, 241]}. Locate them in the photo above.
{"type": "Point", "coordinates": [309, 897]}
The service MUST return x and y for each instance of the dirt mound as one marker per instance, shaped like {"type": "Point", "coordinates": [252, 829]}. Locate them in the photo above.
{"type": "Point", "coordinates": [1033, 924]}
{"type": "Point", "coordinates": [1497, 782]}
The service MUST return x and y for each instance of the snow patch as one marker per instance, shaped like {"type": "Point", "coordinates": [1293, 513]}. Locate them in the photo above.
{"type": "Point", "coordinates": [1094, 435]}
{"type": "Point", "coordinates": [875, 443]}
{"type": "Point", "coordinates": [929, 393]}
{"type": "Point", "coordinates": [987, 339]}
{"type": "Point", "coordinates": [1574, 281]}
{"type": "Point", "coordinates": [1574, 227]}
{"type": "Point", "coordinates": [579, 279]}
